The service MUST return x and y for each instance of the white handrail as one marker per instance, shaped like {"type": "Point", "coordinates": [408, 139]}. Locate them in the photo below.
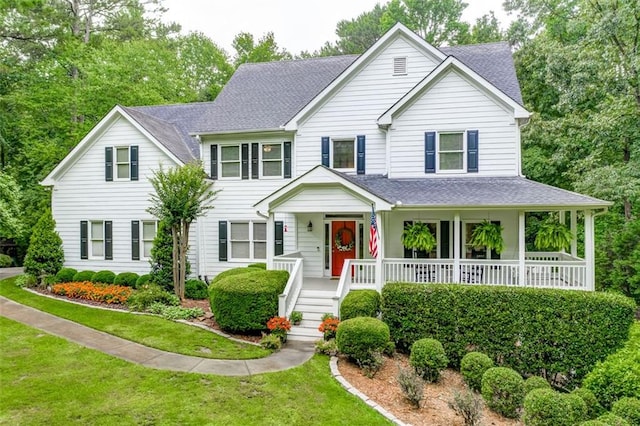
{"type": "Point", "coordinates": [288, 298]}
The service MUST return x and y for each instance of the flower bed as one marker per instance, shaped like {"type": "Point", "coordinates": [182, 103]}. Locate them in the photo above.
{"type": "Point", "coordinates": [95, 292]}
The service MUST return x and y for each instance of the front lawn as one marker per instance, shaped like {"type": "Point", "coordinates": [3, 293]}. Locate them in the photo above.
{"type": "Point", "coordinates": [148, 330]}
{"type": "Point", "coordinates": [47, 380]}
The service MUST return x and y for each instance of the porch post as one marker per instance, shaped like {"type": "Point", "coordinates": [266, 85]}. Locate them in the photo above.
{"type": "Point", "coordinates": [589, 249]}
{"type": "Point", "coordinates": [522, 270]}
{"type": "Point", "coordinates": [563, 220]}
{"type": "Point", "coordinates": [271, 237]}
{"type": "Point", "coordinates": [574, 231]}
{"type": "Point", "coordinates": [379, 265]}
{"type": "Point", "coordinates": [457, 240]}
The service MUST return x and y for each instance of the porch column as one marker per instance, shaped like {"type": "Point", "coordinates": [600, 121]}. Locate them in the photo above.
{"type": "Point", "coordinates": [563, 220]}
{"type": "Point", "coordinates": [457, 240]}
{"type": "Point", "coordinates": [574, 231]}
{"type": "Point", "coordinates": [522, 270]}
{"type": "Point", "coordinates": [589, 254]}
{"type": "Point", "coordinates": [271, 238]}
{"type": "Point", "coordinates": [381, 240]}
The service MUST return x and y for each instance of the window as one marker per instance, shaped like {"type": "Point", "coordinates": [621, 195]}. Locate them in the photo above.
{"type": "Point", "coordinates": [148, 235]}
{"type": "Point", "coordinates": [230, 161]}
{"type": "Point", "coordinates": [343, 154]}
{"type": "Point", "coordinates": [451, 151]}
{"type": "Point", "coordinates": [97, 239]}
{"type": "Point", "coordinates": [248, 240]}
{"type": "Point", "coordinates": [421, 254]}
{"type": "Point", "coordinates": [471, 252]}
{"type": "Point", "coordinates": [400, 65]}
{"type": "Point", "coordinates": [122, 163]}
{"type": "Point", "coordinates": [272, 160]}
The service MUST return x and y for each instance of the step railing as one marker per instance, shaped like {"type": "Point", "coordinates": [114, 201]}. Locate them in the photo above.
{"type": "Point", "coordinates": [356, 274]}
{"type": "Point", "coordinates": [287, 300]}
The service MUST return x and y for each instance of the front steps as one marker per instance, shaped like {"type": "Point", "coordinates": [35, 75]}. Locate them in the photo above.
{"type": "Point", "coordinates": [313, 304]}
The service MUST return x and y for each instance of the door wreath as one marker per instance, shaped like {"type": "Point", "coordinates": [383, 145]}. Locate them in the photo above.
{"type": "Point", "coordinates": [340, 237]}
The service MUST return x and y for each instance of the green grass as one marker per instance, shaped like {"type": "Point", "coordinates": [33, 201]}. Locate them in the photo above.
{"type": "Point", "coordinates": [47, 380]}
{"type": "Point", "coordinates": [148, 330]}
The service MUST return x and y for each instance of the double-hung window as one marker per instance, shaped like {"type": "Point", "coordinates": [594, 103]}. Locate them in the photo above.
{"type": "Point", "coordinates": [149, 228]}
{"type": "Point", "coordinates": [451, 151]}
{"type": "Point", "coordinates": [248, 240]}
{"type": "Point", "coordinates": [343, 155]}
{"type": "Point", "coordinates": [122, 162]}
{"type": "Point", "coordinates": [97, 239]}
{"type": "Point", "coordinates": [272, 160]}
{"type": "Point", "coordinates": [230, 161]}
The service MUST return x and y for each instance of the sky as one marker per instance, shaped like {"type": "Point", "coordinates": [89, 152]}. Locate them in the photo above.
{"type": "Point", "coordinates": [297, 24]}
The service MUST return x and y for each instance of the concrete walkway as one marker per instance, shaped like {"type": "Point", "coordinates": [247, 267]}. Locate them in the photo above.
{"type": "Point", "coordinates": [292, 355]}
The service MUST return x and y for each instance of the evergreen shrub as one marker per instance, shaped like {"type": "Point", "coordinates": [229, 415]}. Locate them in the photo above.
{"type": "Point", "coordinates": [128, 279]}
{"type": "Point", "coordinates": [629, 409]}
{"type": "Point", "coordinates": [611, 419]}
{"type": "Point", "coordinates": [503, 391]}
{"type": "Point", "coordinates": [148, 294]}
{"type": "Point", "coordinates": [472, 366]}
{"type": "Point", "coordinates": [142, 280]}
{"type": "Point", "coordinates": [65, 275]}
{"type": "Point", "coordinates": [83, 276]}
{"type": "Point", "coordinates": [360, 303]}
{"type": "Point", "coordinates": [361, 338]}
{"type": "Point", "coordinates": [45, 256]}
{"type": "Point", "coordinates": [535, 382]}
{"type": "Point", "coordinates": [546, 407]}
{"type": "Point", "coordinates": [5, 260]}
{"type": "Point", "coordinates": [195, 289]}
{"type": "Point", "coordinates": [428, 359]}
{"type": "Point", "coordinates": [103, 277]}
{"type": "Point", "coordinates": [594, 409]}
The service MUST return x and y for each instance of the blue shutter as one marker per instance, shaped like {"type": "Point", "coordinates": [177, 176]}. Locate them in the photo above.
{"type": "Point", "coordinates": [245, 160]}
{"type": "Point", "coordinates": [255, 152]}
{"type": "Point", "coordinates": [279, 238]}
{"type": "Point", "coordinates": [84, 241]}
{"type": "Point", "coordinates": [430, 152]}
{"type": "Point", "coordinates": [472, 151]}
{"type": "Point", "coordinates": [222, 241]}
{"type": "Point", "coordinates": [360, 159]}
{"type": "Point", "coordinates": [214, 162]}
{"type": "Point", "coordinates": [133, 153]}
{"type": "Point", "coordinates": [108, 163]}
{"type": "Point", "coordinates": [287, 160]}
{"type": "Point", "coordinates": [108, 240]}
{"type": "Point", "coordinates": [325, 151]}
{"type": "Point", "coordinates": [135, 240]}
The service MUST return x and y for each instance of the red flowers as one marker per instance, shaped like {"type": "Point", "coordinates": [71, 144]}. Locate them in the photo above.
{"type": "Point", "coordinates": [276, 324]}
{"type": "Point", "coordinates": [329, 326]}
{"type": "Point", "coordinates": [95, 292]}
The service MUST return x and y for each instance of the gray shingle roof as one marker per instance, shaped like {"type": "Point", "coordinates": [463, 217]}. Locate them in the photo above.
{"type": "Point", "coordinates": [470, 191]}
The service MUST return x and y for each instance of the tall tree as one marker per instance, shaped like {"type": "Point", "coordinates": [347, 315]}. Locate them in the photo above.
{"type": "Point", "coordinates": [264, 50]}
{"type": "Point", "coordinates": [10, 207]}
{"type": "Point", "coordinates": [356, 35]}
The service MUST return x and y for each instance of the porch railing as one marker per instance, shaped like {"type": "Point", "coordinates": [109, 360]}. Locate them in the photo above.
{"type": "Point", "coordinates": [286, 262]}
{"type": "Point", "coordinates": [356, 274]}
{"type": "Point", "coordinates": [287, 300]}
{"type": "Point", "coordinates": [570, 275]}
{"type": "Point", "coordinates": [550, 256]}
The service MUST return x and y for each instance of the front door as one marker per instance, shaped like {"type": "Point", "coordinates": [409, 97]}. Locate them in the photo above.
{"type": "Point", "coordinates": [343, 244]}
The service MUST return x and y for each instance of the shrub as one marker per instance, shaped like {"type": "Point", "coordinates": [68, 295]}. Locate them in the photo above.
{"type": "Point", "coordinates": [611, 419]}
{"type": "Point", "coordinates": [389, 349]}
{"type": "Point", "coordinates": [578, 407]}
{"type": "Point", "coordinates": [65, 275]}
{"type": "Point", "coordinates": [360, 338]}
{"type": "Point", "coordinates": [196, 289]}
{"type": "Point", "coordinates": [503, 390]}
{"type": "Point", "coordinates": [593, 423]}
{"type": "Point", "coordinates": [561, 332]}
{"type": "Point", "coordinates": [295, 317]}
{"type": "Point", "coordinates": [174, 312]}
{"type": "Point", "coordinates": [44, 255]}
{"type": "Point", "coordinates": [628, 409]}
{"type": "Point", "coordinates": [142, 280]}
{"type": "Point", "coordinates": [233, 272]}
{"type": "Point", "coordinates": [327, 347]}
{"type": "Point", "coordinates": [148, 294]}
{"type": "Point", "coordinates": [472, 367]}
{"type": "Point", "coordinates": [104, 277]}
{"type": "Point", "coordinates": [259, 265]}
{"type": "Point", "coordinates": [244, 302]}
{"type": "Point", "coordinates": [83, 276]}
{"type": "Point", "coordinates": [535, 382]}
{"type": "Point", "coordinates": [411, 385]}
{"type": "Point", "coordinates": [619, 375]}
{"type": "Point", "coordinates": [594, 409]}
{"type": "Point", "coordinates": [371, 365]}
{"type": "Point", "coordinates": [5, 261]}
{"type": "Point", "coordinates": [467, 405]}
{"type": "Point", "coordinates": [428, 359]}
{"type": "Point", "coordinates": [126, 278]}
{"type": "Point", "coordinates": [360, 303]}
{"type": "Point", "coordinates": [94, 292]}
{"type": "Point", "coordinates": [26, 280]}
{"type": "Point", "coordinates": [546, 407]}
{"type": "Point", "coordinates": [162, 258]}
{"type": "Point", "coordinates": [271, 341]}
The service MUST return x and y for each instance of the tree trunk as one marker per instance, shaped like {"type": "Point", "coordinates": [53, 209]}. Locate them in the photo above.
{"type": "Point", "coordinates": [175, 231]}
{"type": "Point", "coordinates": [184, 244]}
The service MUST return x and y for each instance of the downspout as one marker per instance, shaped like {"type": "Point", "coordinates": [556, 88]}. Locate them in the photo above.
{"type": "Point", "coordinates": [387, 134]}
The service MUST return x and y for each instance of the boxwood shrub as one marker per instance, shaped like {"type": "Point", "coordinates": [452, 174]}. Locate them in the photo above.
{"type": "Point", "coordinates": [360, 303]}
{"type": "Point", "coordinates": [361, 338]}
{"type": "Point", "coordinates": [195, 289]}
{"type": "Point", "coordinates": [103, 277]}
{"type": "Point", "coordinates": [594, 409]}
{"type": "Point", "coordinates": [83, 276]}
{"type": "Point", "coordinates": [546, 407]}
{"type": "Point", "coordinates": [65, 275]}
{"type": "Point", "coordinates": [473, 366]}
{"type": "Point", "coordinates": [611, 419]}
{"type": "Point", "coordinates": [428, 359]}
{"type": "Point", "coordinates": [128, 279]}
{"type": "Point", "coordinates": [142, 280]}
{"type": "Point", "coordinates": [629, 409]}
{"type": "Point", "coordinates": [503, 391]}
{"type": "Point", "coordinates": [561, 331]}
{"type": "Point", "coordinates": [243, 303]}
{"type": "Point", "coordinates": [232, 272]}
{"type": "Point", "coordinates": [260, 265]}
{"type": "Point", "coordinates": [535, 382]}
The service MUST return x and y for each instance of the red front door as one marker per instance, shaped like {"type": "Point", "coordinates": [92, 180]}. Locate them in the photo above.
{"type": "Point", "coordinates": [343, 244]}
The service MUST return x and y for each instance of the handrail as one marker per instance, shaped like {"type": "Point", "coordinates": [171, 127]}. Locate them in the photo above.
{"type": "Point", "coordinates": [289, 296]}
{"type": "Point", "coordinates": [344, 285]}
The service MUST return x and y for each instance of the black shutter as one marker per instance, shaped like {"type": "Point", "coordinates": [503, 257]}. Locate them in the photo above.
{"type": "Point", "coordinates": [408, 253]}
{"type": "Point", "coordinates": [360, 159]}
{"type": "Point", "coordinates": [214, 162]}
{"type": "Point", "coordinates": [472, 151]}
{"type": "Point", "coordinates": [325, 151]}
{"type": "Point", "coordinates": [430, 152]}
{"type": "Point", "coordinates": [84, 242]}
{"type": "Point", "coordinates": [222, 240]}
{"type": "Point", "coordinates": [279, 238]}
{"type": "Point", "coordinates": [135, 240]}
{"type": "Point", "coordinates": [108, 163]}
{"type": "Point", "coordinates": [495, 255]}
{"type": "Point", "coordinates": [245, 161]}
{"type": "Point", "coordinates": [255, 152]}
{"type": "Point", "coordinates": [287, 160]}
{"type": "Point", "coordinates": [108, 240]}
{"type": "Point", "coordinates": [133, 152]}
{"type": "Point", "coordinates": [445, 245]}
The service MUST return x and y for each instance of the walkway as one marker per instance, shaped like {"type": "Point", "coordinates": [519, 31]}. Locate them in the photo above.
{"type": "Point", "coordinates": [292, 355]}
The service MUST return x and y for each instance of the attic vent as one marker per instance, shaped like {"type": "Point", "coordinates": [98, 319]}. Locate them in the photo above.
{"type": "Point", "coordinates": [400, 65]}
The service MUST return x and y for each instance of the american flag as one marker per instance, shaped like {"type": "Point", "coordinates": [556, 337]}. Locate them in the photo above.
{"type": "Point", "coordinates": [373, 235]}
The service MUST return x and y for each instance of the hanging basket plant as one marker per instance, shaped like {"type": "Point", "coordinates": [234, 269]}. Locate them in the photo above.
{"type": "Point", "coordinates": [418, 236]}
{"type": "Point", "coordinates": [553, 235]}
{"type": "Point", "coordinates": [487, 234]}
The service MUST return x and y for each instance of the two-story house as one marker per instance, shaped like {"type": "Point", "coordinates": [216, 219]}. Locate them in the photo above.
{"type": "Point", "coordinates": [304, 151]}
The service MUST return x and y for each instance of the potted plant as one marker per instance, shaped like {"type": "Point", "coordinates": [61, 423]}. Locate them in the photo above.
{"type": "Point", "coordinates": [487, 234]}
{"type": "Point", "coordinates": [279, 326]}
{"type": "Point", "coordinates": [553, 235]}
{"type": "Point", "coordinates": [296, 317]}
{"type": "Point", "coordinates": [418, 236]}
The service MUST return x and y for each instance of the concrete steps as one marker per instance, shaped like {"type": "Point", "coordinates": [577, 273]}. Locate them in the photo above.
{"type": "Point", "coordinates": [313, 304]}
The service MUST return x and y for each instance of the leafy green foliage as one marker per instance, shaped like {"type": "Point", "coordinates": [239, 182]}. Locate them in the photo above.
{"type": "Point", "coordinates": [128, 279]}
{"type": "Point", "coordinates": [149, 294]}
{"type": "Point", "coordinates": [104, 277]}
{"type": "Point", "coordinates": [629, 409]}
{"type": "Point", "coordinates": [142, 280]}
{"type": "Point", "coordinates": [259, 265]}
{"type": "Point", "coordinates": [535, 382]}
{"type": "Point", "coordinates": [44, 256]}
{"type": "Point", "coordinates": [5, 261]}
{"type": "Point", "coordinates": [594, 409]}
{"type": "Point", "coordinates": [611, 419]}
{"type": "Point", "coordinates": [65, 275]}
{"type": "Point", "coordinates": [162, 257]}
{"type": "Point", "coordinates": [553, 236]}
{"type": "Point", "coordinates": [83, 276]}
{"type": "Point", "coordinates": [418, 236]}
{"type": "Point", "coordinates": [546, 407]}
{"type": "Point", "coordinates": [360, 338]}
{"type": "Point", "coordinates": [360, 303]}
{"type": "Point", "coordinates": [535, 331]}
{"type": "Point", "coordinates": [271, 342]}
{"type": "Point", "coordinates": [195, 289]}
{"type": "Point", "coordinates": [231, 272]}
{"type": "Point", "coordinates": [411, 385]}
{"type": "Point", "coordinates": [488, 234]}
{"type": "Point", "coordinates": [265, 50]}
{"type": "Point", "coordinates": [472, 367]}
{"type": "Point", "coordinates": [428, 359]}
{"type": "Point", "coordinates": [174, 312]}
{"type": "Point", "coordinates": [10, 207]}
{"type": "Point", "coordinates": [503, 391]}
{"type": "Point", "coordinates": [245, 302]}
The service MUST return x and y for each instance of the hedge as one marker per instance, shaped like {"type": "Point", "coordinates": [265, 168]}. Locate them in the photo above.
{"type": "Point", "coordinates": [628, 409]}
{"type": "Point", "coordinates": [233, 272]}
{"type": "Point", "coordinates": [243, 303]}
{"type": "Point", "coordinates": [142, 280]}
{"type": "Point", "coordinates": [103, 277]}
{"type": "Point", "coordinates": [83, 276]}
{"type": "Point", "coordinates": [360, 303]}
{"type": "Point", "coordinates": [65, 275]}
{"type": "Point", "coordinates": [360, 338]}
{"type": "Point", "coordinates": [126, 278]}
{"type": "Point", "coordinates": [5, 261]}
{"type": "Point", "coordinates": [195, 289]}
{"type": "Point", "coordinates": [531, 330]}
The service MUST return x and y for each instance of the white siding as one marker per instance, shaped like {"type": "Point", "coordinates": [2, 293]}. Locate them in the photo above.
{"type": "Point", "coordinates": [454, 104]}
{"type": "Point", "coordinates": [316, 199]}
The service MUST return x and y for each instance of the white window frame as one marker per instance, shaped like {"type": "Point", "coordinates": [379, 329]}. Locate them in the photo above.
{"type": "Point", "coordinates": [116, 163]}
{"type": "Point", "coordinates": [221, 162]}
{"type": "Point", "coordinates": [143, 240]}
{"type": "Point", "coordinates": [463, 151]}
{"type": "Point", "coordinates": [263, 160]}
{"type": "Point", "coordinates": [406, 65]}
{"type": "Point", "coordinates": [355, 154]}
{"type": "Point", "coordinates": [91, 239]}
{"type": "Point", "coordinates": [465, 237]}
{"type": "Point", "coordinates": [251, 241]}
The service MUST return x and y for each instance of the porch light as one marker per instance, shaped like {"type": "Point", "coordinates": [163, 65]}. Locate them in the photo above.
{"type": "Point", "coordinates": [266, 148]}
{"type": "Point", "coordinates": [310, 227]}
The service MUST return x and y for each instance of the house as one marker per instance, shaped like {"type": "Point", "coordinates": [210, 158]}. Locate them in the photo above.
{"type": "Point", "coordinates": [307, 153]}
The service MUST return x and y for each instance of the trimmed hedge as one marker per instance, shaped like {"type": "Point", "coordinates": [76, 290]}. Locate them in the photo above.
{"type": "Point", "coordinates": [360, 338]}
{"type": "Point", "coordinates": [65, 275]}
{"type": "Point", "coordinates": [360, 303]}
{"type": "Point", "coordinates": [126, 278]}
{"type": "Point", "coordinates": [546, 407]}
{"type": "Point", "coordinates": [563, 332]}
{"type": "Point", "coordinates": [535, 382]}
{"type": "Point", "coordinates": [195, 289]}
{"type": "Point", "coordinates": [428, 359]}
{"type": "Point", "coordinates": [103, 277]}
{"type": "Point", "coordinates": [594, 409]}
{"type": "Point", "coordinates": [243, 303]}
{"type": "Point", "coordinates": [233, 272]}
{"type": "Point", "coordinates": [473, 366]}
{"type": "Point", "coordinates": [629, 409]}
{"type": "Point", "coordinates": [503, 391]}
{"type": "Point", "coordinates": [260, 265]}
{"type": "Point", "coordinates": [611, 419]}
{"type": "Point", "coordinates": [142, 280]}
{"type": "Point", "coordinates": [83, 276]}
